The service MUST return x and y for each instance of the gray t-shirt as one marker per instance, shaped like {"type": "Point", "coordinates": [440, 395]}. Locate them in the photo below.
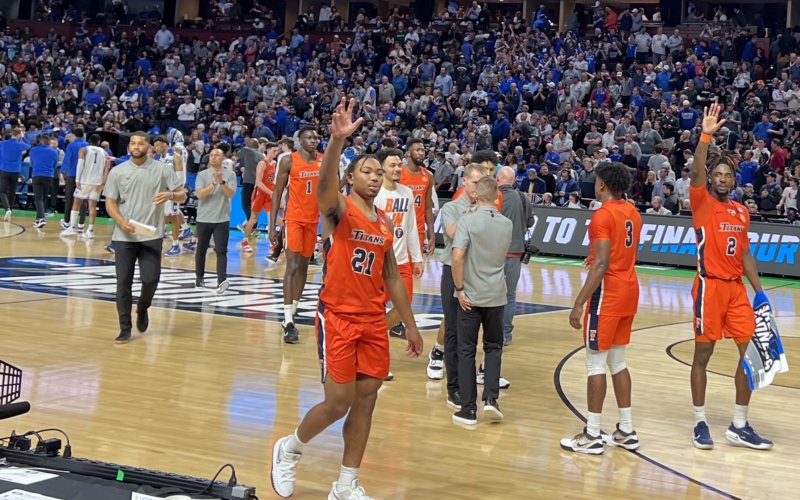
{"type": "Point", "coordinates": [133, 187]}
{"type": "Point", "coordinates": [451, 212]}
{"type": "Point", "coordinates": [216, 207]}
{"type": "Point", "coordinates": [486, 236]}
{"type": "Point", "coordinates": [249, 158]}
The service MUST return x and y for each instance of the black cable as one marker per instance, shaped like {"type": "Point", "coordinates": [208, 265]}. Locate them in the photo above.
{"type": "Point", "coordinates": [67, 448]}
{"type": "Point", "coordinates": [231, 482]}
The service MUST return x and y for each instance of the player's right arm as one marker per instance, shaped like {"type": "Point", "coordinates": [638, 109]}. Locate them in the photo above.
{"type": "Point", "coordinates": [331, 202]}
{"type": "Point", "coordinates": [262, 166]}
{"type": "Point", "coordinates": [710, 125]}
{"type": "Point", "coordinates": [600, 236]}
{"type": "Point", "coordinates": [281, 180]}
{"type": "Point", "coordinates": [81, 165]}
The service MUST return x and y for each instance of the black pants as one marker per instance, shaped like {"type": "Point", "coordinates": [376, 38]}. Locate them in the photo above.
{"type": "Point", "coordinates": [247, 195]}
{"type": "Point", "coordinates": [8, 189]}
{"type": "Point", "coordinates": [52, 194]}
{"type": "Point", "coordinates": [41, 185]}
{"type": "Point", "coordinates": [450, 307]}
{"type": "Point", "coordinates": [148, 253]}
{"type": "Point", "coordinates": [69, 197]}
{"type": "Point", "coordinates": [220, 231]}
{"type": "Point", "coordinates": [469, 323]}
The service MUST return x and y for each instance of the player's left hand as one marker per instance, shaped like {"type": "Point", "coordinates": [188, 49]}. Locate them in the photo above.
{"type": "Point", "coordinates": [414, 340]}
{"type": "Point", "coordinates": [417, 273]}
{"type": "Point", "coordinates": [160, 198]}
{"type": "Point", "coordinates": [342, 124]}
{"type": "Point", "coordinates": [575, 317]}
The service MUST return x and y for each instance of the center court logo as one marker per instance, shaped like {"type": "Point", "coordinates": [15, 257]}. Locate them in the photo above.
{"type": "Point", "coordinates": [247, 297]}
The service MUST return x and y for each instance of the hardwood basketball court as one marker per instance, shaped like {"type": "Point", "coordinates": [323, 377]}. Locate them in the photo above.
{"type": "Point", "coordinates": [211, 382]}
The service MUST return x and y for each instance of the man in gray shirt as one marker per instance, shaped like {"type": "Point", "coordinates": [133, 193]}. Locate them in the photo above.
{"type": "Point", "coordinates": [451, 213]}
{"type": "Point", "coordinates": [249, 156]}
{"type": "Point", "coordinates": [482, 240]}
{"type": "Point", "coordinates": [135, 192]}
{"type": "Point", "coordinates": [517, 209]}
{"type": "Point", "coordinates": [214, 187]}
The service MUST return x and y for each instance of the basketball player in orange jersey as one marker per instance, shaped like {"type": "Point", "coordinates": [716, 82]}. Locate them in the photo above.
{"type": "Point", "coordinates": [262, 194]}
{"type": "Point", "coordinates": [611, 290]}
{"type": "Point", "coordinates": [300, 170]}
{"type": "Point", "coordinates": [397, 202]}
{"type": "Point", "coordinates": [721, 307]}
{"type": "Point", "coordinates": [360, 268]}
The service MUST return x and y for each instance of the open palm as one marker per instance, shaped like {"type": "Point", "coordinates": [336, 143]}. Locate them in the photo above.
{"type": "Point", "coordinates": [711, 120]}
{"type": "Point", "coordinates": [342, 124]}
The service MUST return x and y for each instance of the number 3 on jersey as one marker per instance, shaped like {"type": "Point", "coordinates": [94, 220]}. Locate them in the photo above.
{"type": "Point", "coordinates": [362, 261]}
{"type": "Point", "coordinates": [628, 234]}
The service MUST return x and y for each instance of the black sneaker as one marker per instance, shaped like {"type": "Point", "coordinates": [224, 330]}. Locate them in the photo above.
{"type": "Point", "coordinates": [389, 377]}
{"type": "Point", "coordinates": [454, 400]}
{"type": "Point", "coordinates": [290, 334]}
{"type": "Point", "coordinates": [492, 410]}
{"type": "Point", "coordinates": [466, 417]}
{"type": "Point", "coordinates": [199, 283]}
{"type": "Point", "coordinates": [398, 331]}
{"type": "Point", "coordinates": [142, 320]}
{"type": "Point", "coordinates": [124, 337]}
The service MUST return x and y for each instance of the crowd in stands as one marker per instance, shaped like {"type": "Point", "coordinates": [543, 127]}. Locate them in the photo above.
{"type": "Point", "coordinates": [552, 102]}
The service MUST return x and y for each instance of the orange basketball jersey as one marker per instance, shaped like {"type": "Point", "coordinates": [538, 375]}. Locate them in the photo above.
{"type": "Point", "coordinates": [619, 222]}
{"type": "Point", "coordinates": [269, 175]}
{"type": "Point", "coordinates": [353, 286]}
{"type": "Point", "coordinates": [721, 231]}
{"type": "Point", "coordinates": [418, 183]}
{"type": "Point", "coordinates": [302, 204]}
{"type": "Point", "coordinates": [498, 203]}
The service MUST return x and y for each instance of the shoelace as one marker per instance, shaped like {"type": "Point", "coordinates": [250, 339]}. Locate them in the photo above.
{"type": "Point", "coordinates": [286, 465]}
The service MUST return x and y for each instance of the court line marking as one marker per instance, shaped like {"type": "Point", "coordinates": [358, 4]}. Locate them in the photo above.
{"type": "Point", "coordinates": [3, 236]}
{"type": "Point", "coordinates": [574, 410]}
{"type": "Point", "coordinates": [31, 300]}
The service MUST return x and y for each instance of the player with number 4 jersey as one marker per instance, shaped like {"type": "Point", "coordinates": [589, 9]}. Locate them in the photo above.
{"type": "Point", "coordinates": [417, 178]}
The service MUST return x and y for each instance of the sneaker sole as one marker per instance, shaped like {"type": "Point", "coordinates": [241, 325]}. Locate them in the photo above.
{"type": "Point", "coordinates": [628, 446]}
{"type": "Point", "coordinates": [585, 451]}
{"type": "Point", "coordinates": [464, 421]}
{"type": "Point", "coordinates": [492, 413]}
{"type": "Point", "coordinates": [453, 405]}
{"type": "Point", "coordinates": [737, 441]}
{"type": "Point", "coordinates": [122, 341]}
{"type": "Point", "coordinates": [275, 450]}
{"type": "Point", "coordinates": [222, 288]}
{"type": "Point", "coordinates": [701, 446]}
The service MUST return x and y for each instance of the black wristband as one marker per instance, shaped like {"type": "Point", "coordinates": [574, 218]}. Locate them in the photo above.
{"type": "Point", "coordinates": [459, 289]}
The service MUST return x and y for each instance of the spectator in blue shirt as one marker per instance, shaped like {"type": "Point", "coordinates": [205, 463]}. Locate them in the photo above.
{"type": "Point", "coordinates": [747, 169]}
{"type": "Point", "coordinates": [688, 116]}
{"type": "Point", "coordinates": [564, 187]}
{"type": "Point", "coordinates": [44, 160]}
{"type": "Point", "coordinates": [761, 130]}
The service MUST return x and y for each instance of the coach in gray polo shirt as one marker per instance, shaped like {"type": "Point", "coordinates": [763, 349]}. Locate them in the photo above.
{"type": "Point", "coordinates": [451, 213]}
{"type": "Point", "coordinates": [214, 187]}
{"type": "Point", "coordinates": [479, 257]}
{"type": "Point", "coordinates": [135, 191]}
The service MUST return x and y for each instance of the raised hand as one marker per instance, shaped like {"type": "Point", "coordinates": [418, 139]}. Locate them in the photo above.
{"type": "Point", "coordinates": [711, 120]}
{"type": "Point", "coordinates": [342, 124]}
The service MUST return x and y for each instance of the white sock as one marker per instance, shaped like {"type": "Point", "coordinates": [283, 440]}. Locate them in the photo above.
{"type": "Point", "coordinates": [346, 477]}
{"type": "Point", "coordinates": [73, 218]}
{"type": "Point", "coordinates": [293, 444]}
{"type": "Point", "coordinates": [593, 424]}
{"type": "Point", "coordinates": [174, 241]}
{"type": "Point", "coordinates": [91, 227]}
{"type": "Point", "coordinates": [184, 226]}
{"type": "Point", "coordinates": [699, 414]}
{"type": "Point", "coordinates": [625, 420]}
{"type": "Point", "coordinates": [439, 347]}
{"type": "Point", "coordinates": [287, 314]}
{"type": "Point", "coordinates": [739, 416]}
{"type": "Point", "coordinates": [294, 306]}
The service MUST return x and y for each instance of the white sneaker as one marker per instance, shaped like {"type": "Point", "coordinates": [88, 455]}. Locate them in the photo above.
{"type": "Point", "coordinates": [503, 384]}
{"type": "Point", "coordinates": [70, 231]}
{"type": "Point", "coordinates": [435, 368]}
{"type": "Point", "coordinates": [222, 287]}
{"type": "Point", "coordinates": [355, 492]}
{"type": "Point", "coordinates": [39, 223]}
{"type": "Point", "coordinates": [584, 443]}
{"type": "Point", "coordinates": [80, 228]}
{"type": "Point", "coordinates": [7, 216]}
{"type": "Point", "coordinates": [284, 469]}
{"type": "Point", "coordinates": [64, 224]}
{"type": "Point", "coordinates": [89, 233]}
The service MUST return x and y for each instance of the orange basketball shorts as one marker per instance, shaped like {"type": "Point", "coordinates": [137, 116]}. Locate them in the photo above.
{"type": "Point", "coordinates": [407, 273]}
{"type": "Point", "coordinates": [722, 310]}
{"type": "Point", "coordinates": [347, 348]}
{"type": "Point", "coordinates": [301, 237]}
{"type": "Point", "coordinates": [260, 202]}
{"type": "Point", "coordinates": [602, 332]}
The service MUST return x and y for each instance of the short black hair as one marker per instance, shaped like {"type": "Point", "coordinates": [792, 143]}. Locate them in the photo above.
{"type": "Point", "coordinates": [160, 138]}
{"type": "Point", "coordinates": [94, 139]}
{"type": "Point", "coordinates": [304, 129]}
{"type": "Point", "coordinates": [78, 132]}
{"type": "Point", "coordinates": [413, 141]}
{"type": "Point", "coordinates": [615, 176]}
{"type": "Point", "coordinates": [484, 155]}
{"type": "Point", "coordinates": [351, 167]}
{"type": "Point", "coordinates": [384, 153]}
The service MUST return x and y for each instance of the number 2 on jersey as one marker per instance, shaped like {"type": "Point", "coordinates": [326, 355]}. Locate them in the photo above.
{"type": "Point", "coordinates": [362, 261]}
{"type": "Point", "coordinates": [730, 249]}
